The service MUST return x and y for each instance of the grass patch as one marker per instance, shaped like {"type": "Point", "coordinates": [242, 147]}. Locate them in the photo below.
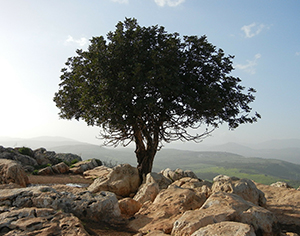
{"type": "Point", "coordinates": [211, 172]}
{"type": "Point", "coordinates": [35, 172]}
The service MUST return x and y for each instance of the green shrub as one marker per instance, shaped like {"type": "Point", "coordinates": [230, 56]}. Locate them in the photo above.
{"type": "Point", "coordinates": [74, 161]}
{"type": "Point", "coordinates": [71, 163]}
{"type": "Point", "coordinates": [25, 151]}
{"type": "Point", "coordinates": [42, 166]}
{"type": "Point", "coordinates": [67, 163]}
{"type": "Point", "coordinates": [35, 172]}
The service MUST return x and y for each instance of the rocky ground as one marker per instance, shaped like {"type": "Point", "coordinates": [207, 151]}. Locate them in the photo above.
{"type": "Point", "coordinates": [282, 201]}
{"type": "Point", "coordinates": [285, 204]}
{"type": "Point", "coordinates": [59, 182]}
{"type": "Point", "coordinates": [113, 201]}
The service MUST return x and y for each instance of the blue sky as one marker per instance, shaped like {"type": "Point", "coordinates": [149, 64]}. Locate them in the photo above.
{"type": "Point", "coordinates": [37, 37]}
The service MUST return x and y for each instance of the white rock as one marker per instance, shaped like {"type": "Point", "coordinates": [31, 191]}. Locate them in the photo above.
{"type": "Point", "coordinates": [123, 180]}
{"type": "Point", "coordinates": [226, 228]}
{"type": "Point", "coordinates": [242, 187]}
{"type": "Point", "coordinates": [221, 207]}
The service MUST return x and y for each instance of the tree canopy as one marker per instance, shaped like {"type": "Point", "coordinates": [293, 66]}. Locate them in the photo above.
{"type": "Point", "coordinates": [148, 86]}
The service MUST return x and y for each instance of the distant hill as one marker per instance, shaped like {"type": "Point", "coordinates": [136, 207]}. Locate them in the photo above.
{"type": "Point", "coordinates": [278, 144]}
{"type": "Point", "coordinates": [287, 150]}
{"type": "Point", "coordinates": [88, 151]}
{"type": "Point", "coordinates": [34, 143]}
{"type": "Point", "coordinates": [226, 159]}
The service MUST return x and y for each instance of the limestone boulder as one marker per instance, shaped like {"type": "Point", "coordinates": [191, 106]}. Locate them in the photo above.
{"type": "Point", "coordinates": [226, 228]}
{"type": "Point", "coordinates": [67, 157]}
{"type": "Point", "coordinates": [147, 192]}
{"type": "Point", "coordinates": [60, 168]}
{"type": "Point", "coordinates": [224, 178]}
{"type": "Point", "coordinates": [10, 186]}
{"type": "Point", "coordinates": [41, 157]}
{"type": "Point", "coordinates": [14, 155]}
{"type": "Point", "coordinates": [82, 166]}
{"type": "Point", "coordinates": [162, 181]}
{"type": "Point", "coordinates": [29, 169]}
{"type": "Point", "coordinates": [84, 205]}
{"type": "Point", "coordinates": [46, 171]}
{"type": "Point", "coordinates": [189, 173]}
{"type": "Point", "coordinates": [39, 221]}
{"type": "Point", "coordinates": [123, 180]}
{"type": "Point", "coordinates": [44, 157]}
{"type": "Point", "coordinates": [12, 172]}
{"type": "Point", "coordinates": [129, 206]}
{"type": "Point", "coordinates": [177, 174]}
{"type": "Point", "coordinates": [200, 186]}
{"type": "Point", "coordinates": [242, 187]}
{"type": "Point", "coordinates": [153, 233]}
{"type": "Point", "coordinates": [97, 172]}
{"type": "Point", "coordinates": [280, 184]}
{"type": "Point", "coordinates": [222, 206]}
{"type": "Point", "coordinates": [70, 187]}
{"type": "Point", "coordinates": [168, 206]}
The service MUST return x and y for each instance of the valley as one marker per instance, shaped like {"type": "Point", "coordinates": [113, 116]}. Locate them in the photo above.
{"type": "Point", "coordinates": [205, 164]}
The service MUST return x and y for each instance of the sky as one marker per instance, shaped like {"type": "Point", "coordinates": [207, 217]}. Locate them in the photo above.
{"type": "Point", "coordinates": [38, 36]}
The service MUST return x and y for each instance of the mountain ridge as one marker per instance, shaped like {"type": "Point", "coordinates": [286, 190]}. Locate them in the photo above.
{"type": "Point", "coordinates": [222, 159]}
{"type": "Point", "coordinates": [282, 149]}
{"type": "Point", "coordinates": [291, 154]}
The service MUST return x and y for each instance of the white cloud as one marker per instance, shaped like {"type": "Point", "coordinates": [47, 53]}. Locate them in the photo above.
{"type": "Point", "coordinates": [297, 53]}
{"type": "Point", "coordinates": [170, 3]}
{"type": "Point", "coordinates": [81, 42]}
{"type": "Point", "coordinates": [121, 1]}
{"type": "Point", "coordinates": [253, 29]}
{"type": "Point", "coordinates": [250, 66]}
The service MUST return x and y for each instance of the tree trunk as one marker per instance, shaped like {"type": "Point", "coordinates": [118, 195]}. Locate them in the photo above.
{"type": "Point", "coordinates": [145, 155]}
{"type": "Point", "coordinates": [145, 161]}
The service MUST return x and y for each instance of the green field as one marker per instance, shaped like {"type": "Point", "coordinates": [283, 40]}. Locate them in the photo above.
{"type": "Point", "coordinates": [207, 165]}
{"type": "Point", "coordinates": [210, 173]}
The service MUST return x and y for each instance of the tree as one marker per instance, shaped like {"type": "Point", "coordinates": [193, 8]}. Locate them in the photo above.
{"type": "Point", "coordinates": [144, 85]}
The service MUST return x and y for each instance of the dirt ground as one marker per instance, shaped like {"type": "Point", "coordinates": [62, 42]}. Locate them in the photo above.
{"type": "Point", "coordinates": [59, 179]}
{"type": "Point", "coordinates": [59, 183]}
{"type": "Point", "coordinates": [94, 228]}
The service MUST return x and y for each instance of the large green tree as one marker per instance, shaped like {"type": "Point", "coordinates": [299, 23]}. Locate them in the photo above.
{"type": "Point", "coordinates": [144, 85]}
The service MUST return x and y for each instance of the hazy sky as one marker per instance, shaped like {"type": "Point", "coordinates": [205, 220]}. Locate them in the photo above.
{"type": "Point", "coordinates": [37, 37]}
